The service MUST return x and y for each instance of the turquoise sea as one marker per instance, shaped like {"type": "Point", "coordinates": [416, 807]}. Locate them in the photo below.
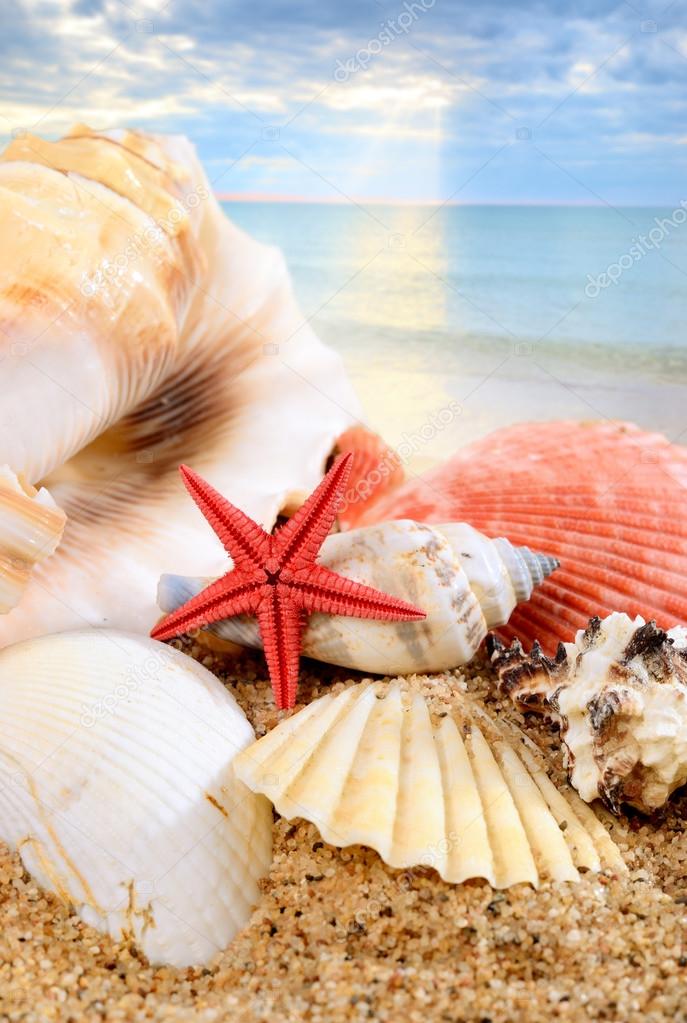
{"type": "Point", "coordinates": [513, 312]}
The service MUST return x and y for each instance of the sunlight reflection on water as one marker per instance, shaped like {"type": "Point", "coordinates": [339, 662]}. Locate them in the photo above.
{"type": "Point", "coordinates": [487, 307]}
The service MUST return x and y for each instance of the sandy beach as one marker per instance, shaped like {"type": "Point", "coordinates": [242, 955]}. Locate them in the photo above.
{"type": "Point", "coordinates": [337, 935]}
{"type": "Point", "coordinates": [259, 263]}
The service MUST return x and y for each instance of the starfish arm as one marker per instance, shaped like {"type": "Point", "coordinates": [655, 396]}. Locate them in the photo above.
{"type": "Point", "coordinates": [235, 593]}
{"type": "Point", "coordinates": [322, 590]}
{"type": "Point", "coordinates": [281, 624]}
{"type": "Point", "coordinates": [296, 544]}
{"type": "Point", "coordinates": [244, 540]}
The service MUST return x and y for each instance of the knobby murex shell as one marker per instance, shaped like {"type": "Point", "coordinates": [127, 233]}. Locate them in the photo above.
{"type": "Point", "coordinates": [465, 582]}
{"type": "Point", "coordinates": [619, 695]}
{"type": "Point", "coordinates": [117, 788]}
{"type": "Point", "coordinates": [141, 328]}
{"type": "Point", "coordinates": [457, 793]}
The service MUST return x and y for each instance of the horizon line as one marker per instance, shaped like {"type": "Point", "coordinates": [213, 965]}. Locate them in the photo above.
{"type": "Point", "coordinates": [268, 197]}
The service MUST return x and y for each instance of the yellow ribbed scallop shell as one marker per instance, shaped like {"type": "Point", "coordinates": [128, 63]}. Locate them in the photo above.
{"type": "Point", "coordinates": [454, 792]}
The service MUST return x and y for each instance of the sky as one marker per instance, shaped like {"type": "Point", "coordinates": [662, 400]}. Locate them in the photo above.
{"type": "Point", "coordinates": [565, 101]}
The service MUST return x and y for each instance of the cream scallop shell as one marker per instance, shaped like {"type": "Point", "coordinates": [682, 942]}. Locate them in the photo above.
{"type": "Point", "coordinates": [117, 788]}
{"type": "Point", "coordinates": [370, 766]}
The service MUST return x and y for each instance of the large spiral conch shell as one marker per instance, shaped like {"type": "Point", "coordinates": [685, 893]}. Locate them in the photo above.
{"type": "Point", "coordinates": [117, 788]}
{"type": "Point", "coordinates": [370, 766]}
{"type": "Point", "coordinates": [607, 499]}
{"type": "Point", "coordinates": [139, 328]}
{"type": "Point", "coordinates": [618, 693]}
{"type": "Point", "coordinates": [465, 582]}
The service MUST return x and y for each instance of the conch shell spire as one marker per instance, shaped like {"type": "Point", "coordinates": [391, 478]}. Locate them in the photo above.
{"type": "Point", "coordinates": [526, 568]}
{"type": "Point", "coordinates": [464, 581]}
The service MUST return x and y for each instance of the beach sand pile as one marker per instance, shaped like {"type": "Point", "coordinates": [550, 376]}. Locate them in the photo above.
{"type": "Point", "coordinates": [339, 936]}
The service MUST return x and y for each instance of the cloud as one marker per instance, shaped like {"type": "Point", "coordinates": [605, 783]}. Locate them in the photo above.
{"type": "Point", "coordinates": [423, 105]}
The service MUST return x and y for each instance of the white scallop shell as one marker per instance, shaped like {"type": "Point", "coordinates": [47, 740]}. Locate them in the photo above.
{"type": "Point", "coordinates": [117, 788]}
{"type": "Point", "coordinates": [464, 581]}
{"type": "Point", "coordinates": [370, 766]}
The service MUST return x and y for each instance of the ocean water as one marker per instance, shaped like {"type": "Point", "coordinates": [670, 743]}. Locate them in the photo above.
{"type": "Point", "coordinates": [510, 313]}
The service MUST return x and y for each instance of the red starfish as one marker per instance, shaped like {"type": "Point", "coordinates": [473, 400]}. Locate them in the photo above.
{"type": "Point", "coordinates": [276, 577]}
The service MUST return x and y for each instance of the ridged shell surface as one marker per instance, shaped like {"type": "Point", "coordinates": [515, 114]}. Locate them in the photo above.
{"type": "Point", "coordinates": [618, 693]}
{"type": "Point", "coordinates": [376, 470]}
{"type": "Point", "coordinates": [372, 766]}
{"type": "Point", "coordinates": [607, 499]}
{"type": "Point", "coordinates": [117, 788]}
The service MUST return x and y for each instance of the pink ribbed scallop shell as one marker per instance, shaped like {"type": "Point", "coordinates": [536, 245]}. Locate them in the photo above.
{"type": "Point", "coordinates": [607, 499]}
{"type": "Point", "coordinates": [376, 471]}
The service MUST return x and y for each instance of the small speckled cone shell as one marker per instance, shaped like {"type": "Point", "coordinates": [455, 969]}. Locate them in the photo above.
{"type": "Point", "coordinates": [117, 788]}
{"type": "Point", "coordinates": [370, 766]}
{"type": "Point", "coordinates": [31, 527]}
{"type": "Point", "coordinates": [465, 583]}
